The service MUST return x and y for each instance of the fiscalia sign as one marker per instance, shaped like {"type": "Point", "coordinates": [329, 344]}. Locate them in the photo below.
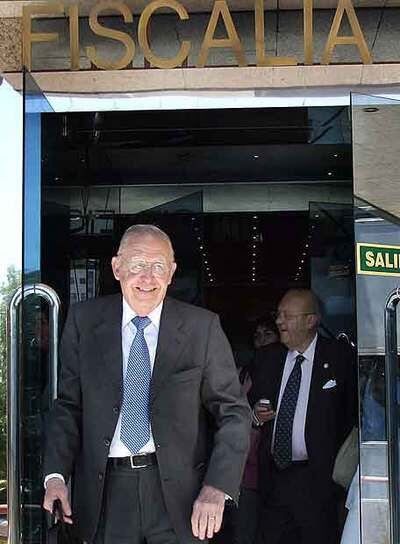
{"type": "Point", "coordinates": [220, 14]}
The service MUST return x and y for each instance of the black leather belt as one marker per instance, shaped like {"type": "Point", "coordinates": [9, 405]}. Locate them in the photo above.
{"type": "Point", "coordinates": [134, 461]}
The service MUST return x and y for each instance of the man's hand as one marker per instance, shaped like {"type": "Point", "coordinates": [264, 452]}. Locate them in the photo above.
{"type": "Point", "coordinates": [56, 489]}
{"type": "Point", "coordinates": [263, 413]}
{"type": "Point", "coordinates": [207, 512]}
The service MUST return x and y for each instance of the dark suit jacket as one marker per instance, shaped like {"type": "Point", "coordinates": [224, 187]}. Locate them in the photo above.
{"type": "Point", "coordinates": [194, 377]}
{"type": "Point", "coordinates": [331, 413]}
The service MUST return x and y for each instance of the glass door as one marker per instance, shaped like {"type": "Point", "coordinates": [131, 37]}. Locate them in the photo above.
{"type": "Point", "coordinates": [69, 237]}
{"type": "Point", "coordinates": [376, 159]}
{"type": "Point", "coordinates": [331, 241]}
{"type": "Point", "coordinates": [33, 336]}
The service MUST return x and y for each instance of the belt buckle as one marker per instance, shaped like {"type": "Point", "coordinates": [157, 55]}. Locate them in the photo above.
{"type": "Point", "coordinates": [132, 463]}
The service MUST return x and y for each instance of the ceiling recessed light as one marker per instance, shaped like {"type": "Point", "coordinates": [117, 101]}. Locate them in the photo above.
{"type": "Point", "coordinates": [330, 173]}
{"type": "Point", "coordinates": [256, 156]}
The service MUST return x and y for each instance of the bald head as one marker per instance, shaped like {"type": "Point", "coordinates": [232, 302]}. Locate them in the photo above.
{"type": "Point", "coordinates": [298, 318]}
{"type": "Point", "coordinates": [145, 231]}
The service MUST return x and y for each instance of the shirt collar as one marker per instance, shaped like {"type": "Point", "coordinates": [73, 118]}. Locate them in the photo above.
{"type": "Point", "coordinates": [308, 354]}
{"type": "Point", "coordinates": [128, 314]}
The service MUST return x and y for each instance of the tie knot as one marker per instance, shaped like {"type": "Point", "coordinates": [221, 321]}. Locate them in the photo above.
{"type": "Point", "coordinates": [141, 322]}
{"type": "Point", "coordinates": [300, 358]}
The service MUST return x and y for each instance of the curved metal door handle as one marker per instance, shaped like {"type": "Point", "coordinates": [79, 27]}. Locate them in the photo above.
{"type": "Point", "coordinates": [392, 431]}
{"type": "Point", "coordinates": [13, 401]}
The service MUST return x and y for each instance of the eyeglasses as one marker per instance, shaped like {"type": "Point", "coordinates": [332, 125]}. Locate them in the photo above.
{"type": "Point", "coordinates": [286, 316]}
{"type": "Point", "coordinates": [139, 266]}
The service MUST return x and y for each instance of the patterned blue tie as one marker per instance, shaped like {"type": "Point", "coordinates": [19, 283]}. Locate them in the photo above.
{"type": "Point", "coordinates": [135, 412]}
{"type": "Point", "coordinates": [284, 421]}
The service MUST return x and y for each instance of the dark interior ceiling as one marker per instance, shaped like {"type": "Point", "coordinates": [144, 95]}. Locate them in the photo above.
{"type": "Point", "coordinates": [197, 146]}
{"type": "Point", "coordinates": [297, 145]}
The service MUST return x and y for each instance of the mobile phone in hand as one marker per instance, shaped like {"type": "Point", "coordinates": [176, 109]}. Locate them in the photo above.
{"type": "Point", "coordinates": [265, 403]}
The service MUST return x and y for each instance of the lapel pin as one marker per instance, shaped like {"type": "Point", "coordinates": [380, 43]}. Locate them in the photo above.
{"type": "Point", "coordinates": [326, 365]}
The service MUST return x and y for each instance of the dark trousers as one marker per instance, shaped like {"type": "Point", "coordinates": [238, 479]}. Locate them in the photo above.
{"type": "Point", "coordinates": [295, 513]}
{"type": "Point", "coordinates": [133, 510]}
{"type": "Point", "coordinates": [247, 516]}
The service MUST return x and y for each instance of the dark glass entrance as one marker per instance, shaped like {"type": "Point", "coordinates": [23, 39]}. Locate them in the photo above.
{"type": "Point", "coordinates": [256, 201]}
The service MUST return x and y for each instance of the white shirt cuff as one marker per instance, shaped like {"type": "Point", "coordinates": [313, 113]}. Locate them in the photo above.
{"type": "Point", "coordinates": [53, 475]}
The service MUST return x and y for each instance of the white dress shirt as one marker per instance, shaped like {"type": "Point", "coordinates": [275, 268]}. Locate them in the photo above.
{"type": "Point", "coordinates": [128, 331]}
{"type": "Point", "coordinates": [299, 448]}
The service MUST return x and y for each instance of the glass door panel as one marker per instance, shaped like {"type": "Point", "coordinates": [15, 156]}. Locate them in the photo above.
{"type": "Point", "coordinates": [376, 160]}
{"type": "Point", "coordinates": [34, 327]}
{"type": "Point", "coordinates": [331, 242]}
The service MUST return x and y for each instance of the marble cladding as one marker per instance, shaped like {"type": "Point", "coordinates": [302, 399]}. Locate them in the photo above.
{"type": "Point", "coordinates": [283, 37]}
{"type": "Point", "coordinates": [10, 44]}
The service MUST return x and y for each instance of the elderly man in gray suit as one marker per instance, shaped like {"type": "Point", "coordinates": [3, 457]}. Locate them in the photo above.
{"type": "Point", "coordinates": [149, 418]}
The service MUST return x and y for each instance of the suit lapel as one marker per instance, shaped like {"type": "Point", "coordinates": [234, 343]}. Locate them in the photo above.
{"type": "Point", "coordinates": [171, 341]}
{"type": "Point", "coordinates": [109, 344]}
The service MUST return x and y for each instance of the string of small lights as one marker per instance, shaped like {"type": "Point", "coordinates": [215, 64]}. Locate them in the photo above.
{"type": "Point", "coordinates": [203, 252]}
{"type": "Point", "coordinates": [255, 240]}
{"type": "Point", "coordinates": [303, 257]}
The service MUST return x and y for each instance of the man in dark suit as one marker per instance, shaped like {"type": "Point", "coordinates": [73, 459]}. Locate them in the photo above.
{"type": "Point", "coordinates": [149, 418]}
{"type": "Point", "coordinates": [310, 384]}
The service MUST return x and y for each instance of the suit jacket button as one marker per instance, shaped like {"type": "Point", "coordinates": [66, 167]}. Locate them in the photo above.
{"type": "Point", "coordinates": [107, 442]}
{"type": "Point", "coordinates": [116, 409]}
{"type": "Point", "coordinates": [100, 476]}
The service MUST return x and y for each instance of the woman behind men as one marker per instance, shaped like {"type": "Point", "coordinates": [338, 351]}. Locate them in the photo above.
{"type": "Point", "coordinates": [249, 507]}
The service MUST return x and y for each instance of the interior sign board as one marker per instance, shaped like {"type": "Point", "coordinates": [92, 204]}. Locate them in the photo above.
{"type": "Point", "coordinates": [378, 259]}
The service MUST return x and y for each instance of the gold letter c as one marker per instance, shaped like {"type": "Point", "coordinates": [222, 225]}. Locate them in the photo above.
{"type": "Point", "coordinates": [160, 62]}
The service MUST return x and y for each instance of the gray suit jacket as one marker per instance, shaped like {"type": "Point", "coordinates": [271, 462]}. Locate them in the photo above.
{"type": "Point", "coordinates": [199, 418]}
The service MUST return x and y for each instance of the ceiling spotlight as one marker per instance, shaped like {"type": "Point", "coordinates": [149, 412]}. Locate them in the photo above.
{"type": "Point", "coordinates": [256, 156]}
{"type": "Point", "coordinates": [254, 254]}
{"type": "Point", "coordinates": [254, 228]}
{"type": "Point", "coordinates": [201, 247]}
{"type": "Point", "coordinates": [255, 216]}
{"type": "Point", "coordinates": [336, 155]}
{"type": "Point", "coordinates": [302, 260]}
{"type": "Point", "coordinates": [330, 173]}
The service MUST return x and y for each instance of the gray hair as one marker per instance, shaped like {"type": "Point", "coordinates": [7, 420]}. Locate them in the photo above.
{"type": "Point", "coordinates": [145, 230]}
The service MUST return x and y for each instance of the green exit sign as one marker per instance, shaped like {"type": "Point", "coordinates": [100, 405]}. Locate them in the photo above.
{"type": "Point", "coordinates": [378, 260]}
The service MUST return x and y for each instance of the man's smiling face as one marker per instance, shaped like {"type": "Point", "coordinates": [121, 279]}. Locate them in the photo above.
{"type": "Point", "coordinates": [144, 267]}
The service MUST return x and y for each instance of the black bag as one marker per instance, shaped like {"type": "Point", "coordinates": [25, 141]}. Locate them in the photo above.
{"type": "Point", "coordinates": [60, 532]}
